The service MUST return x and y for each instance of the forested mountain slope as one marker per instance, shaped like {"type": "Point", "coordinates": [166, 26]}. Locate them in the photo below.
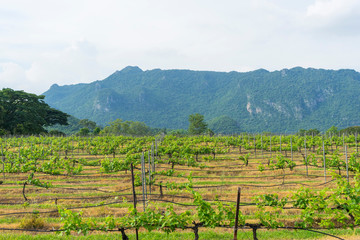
{"type": "Point", "coordinates": [279, 101]}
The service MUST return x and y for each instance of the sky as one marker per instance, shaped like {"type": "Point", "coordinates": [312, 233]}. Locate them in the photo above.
{"type": "Point", "coordinates": [43, 42]}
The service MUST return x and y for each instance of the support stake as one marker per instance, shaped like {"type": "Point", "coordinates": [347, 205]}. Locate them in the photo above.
{"type": "Point", "coordinates": [237, 213]}
{"type": "Point", "coordinates": [134, 196]}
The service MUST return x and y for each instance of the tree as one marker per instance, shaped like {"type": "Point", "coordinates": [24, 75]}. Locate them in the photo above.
{"type": "Point", "coordinates": [96, 131]}
{"type": "Point", "coordinates": [313, 131]}
{"type": "Point", "coordinates": [84, 132]}
{"type": "Point", "coordinates": [139, 129]}
{"type": "Point", "coordinates": [332, 131]}
{"type": "Point", "coordinates": [27, 113]}
{"type": "Point", "coordinates": [350, 130]}
{"type": "Point", "coordinates": [86, 123]}
{"type": "Point", "coordinates": [196, 124]}
{"type": "Point", "coordinates": [2, 121]}
{"type": "Point", "coordinates": [119, 127]}
{"type": "Point", "coordinates": [224, 125]}
{"type": "Point", "coordinates": [210, 132]}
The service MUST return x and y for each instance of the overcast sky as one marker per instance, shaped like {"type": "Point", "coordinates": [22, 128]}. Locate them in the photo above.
{"type": "Point", "coordinates": [43, 42]}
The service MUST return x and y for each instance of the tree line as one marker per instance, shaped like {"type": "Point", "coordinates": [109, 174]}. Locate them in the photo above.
{"type": "Point", "coordinates": [24, 113]}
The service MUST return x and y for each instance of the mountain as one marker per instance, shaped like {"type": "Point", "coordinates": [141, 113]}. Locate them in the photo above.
{"type": "Point", "coordinates": [256, 101]}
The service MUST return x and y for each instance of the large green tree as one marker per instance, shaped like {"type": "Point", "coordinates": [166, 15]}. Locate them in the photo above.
{"type": "Point", "coordinates": [310, 132]}
{"type": "Point", "coordinates": [26, 113]}
{"type": "Point", "coordinates": [332, 131]}
{"type": "Point", "coordinates": [351, 130]}
{"type": "Point", "coordinates": [120, 127]}
{"type": "Point", "coordinates": [197, 125]}
{"type": "Point", "coordinates": [86, 123]}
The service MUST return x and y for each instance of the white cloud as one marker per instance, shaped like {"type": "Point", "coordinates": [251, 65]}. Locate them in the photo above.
{"type": "Point", "coordinates": [11, 75]}
{"type": "Point", "coordinates": [334, 17]}
{"type": "Point", "coordinates": [331, 8]}
{"type": "Point", "coordinates": [39, 39]}
{"type": "Point", "coordinates": [74, 64]}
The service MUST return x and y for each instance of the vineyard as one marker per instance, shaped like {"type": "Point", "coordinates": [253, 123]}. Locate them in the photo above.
{"type": "Point", "coordinates": [246, 185]}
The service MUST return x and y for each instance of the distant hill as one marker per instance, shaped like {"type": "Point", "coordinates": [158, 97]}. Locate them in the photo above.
{"type": "Point", "coordinates": [279, 101]}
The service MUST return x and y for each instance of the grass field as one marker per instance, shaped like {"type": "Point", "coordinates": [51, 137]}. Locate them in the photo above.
{"type": "Point", "coordinates": [99, 194]}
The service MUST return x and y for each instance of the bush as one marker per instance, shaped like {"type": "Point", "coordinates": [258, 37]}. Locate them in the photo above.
{"type": "Point", "coordinates": [32, 222]}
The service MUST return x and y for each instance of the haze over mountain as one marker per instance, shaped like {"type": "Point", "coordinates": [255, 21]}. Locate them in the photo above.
{"type": "Point", "coordinates": [256, 101]}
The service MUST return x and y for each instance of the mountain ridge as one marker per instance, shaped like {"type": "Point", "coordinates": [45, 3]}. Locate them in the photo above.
{"type": "Point", "coordinates": [278, 101]}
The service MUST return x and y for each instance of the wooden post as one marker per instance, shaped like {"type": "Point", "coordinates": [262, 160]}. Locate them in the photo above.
{"type": "Point", "coordinates": [161, 190]}
{"type": "Point", "coordinates": [254, 228]}
{"type": "Point", "coordinates": [280, 144]}
{"type": "Point", "coordinates": [237, 213]}
{"type": "Point", "coordinates": [134, 196]}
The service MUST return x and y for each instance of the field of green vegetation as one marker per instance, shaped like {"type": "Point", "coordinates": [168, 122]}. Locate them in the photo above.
{"type": "Point", "coordinates": [288, 187]}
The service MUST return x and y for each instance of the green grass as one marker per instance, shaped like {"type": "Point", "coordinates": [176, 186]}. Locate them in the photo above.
{"type": "Point", "coordinates": [228, 183]}
{"type": "Point", "coordinates": [208, 235]}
